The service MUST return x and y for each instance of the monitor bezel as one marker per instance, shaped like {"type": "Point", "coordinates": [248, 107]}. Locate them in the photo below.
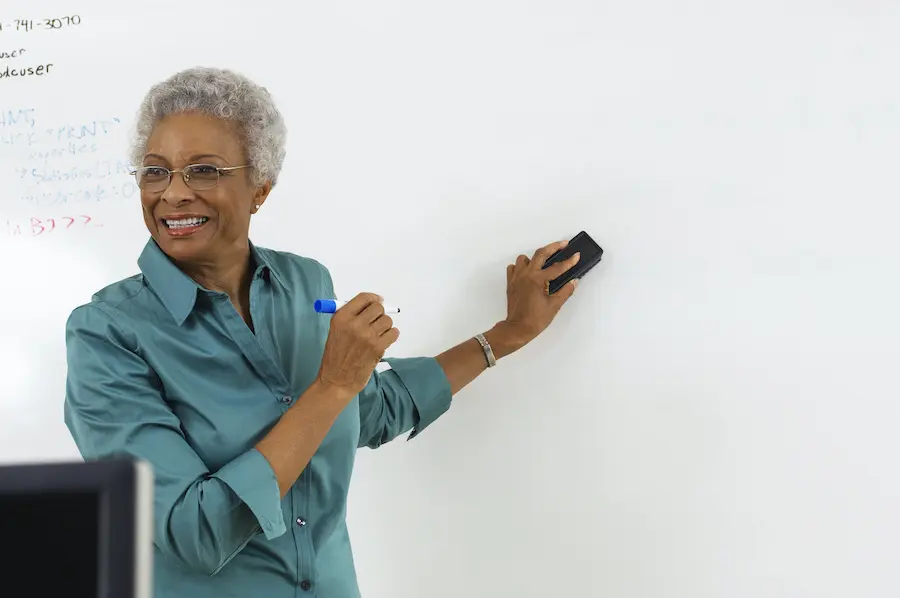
{"type": "Point", "coordinates": [124, 490]}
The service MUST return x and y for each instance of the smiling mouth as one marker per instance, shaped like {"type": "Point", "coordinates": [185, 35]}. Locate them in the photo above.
{"type": "Point", "coordinates": [184, 227]}
{"type": "Point", "coordinates": [185, 223]}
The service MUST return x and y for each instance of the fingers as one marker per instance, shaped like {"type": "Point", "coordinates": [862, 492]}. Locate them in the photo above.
{"type": "Point", "coordinates": [522, 261]}
{"type": "Point", "coordinates": [563, 294]}
{"type": "Point", "coordinates": [371, 312]}
{"type": "Point", "coordinates": [367, 311]}
{"type": "Point", "coordinates": [389, 338]}
{"type": "Point", "coordinates": [509, 273]}
{"type": "Point", "coordinates": [382, 324]}
{"type": "Point", "coordinates": [560, 268]}
{"type": "Point", "coordinates": [361, 302]}
{"type": "Point", "coordinates": [541, 255]}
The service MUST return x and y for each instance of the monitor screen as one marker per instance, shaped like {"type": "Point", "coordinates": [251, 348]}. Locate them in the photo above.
{"type": "Point", "coordinates": [77, 529]}
{"type": "Point", "coordinates": [53, 540]}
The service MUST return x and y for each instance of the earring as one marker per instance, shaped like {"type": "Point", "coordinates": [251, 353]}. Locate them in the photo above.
{"type": "Point", "coordinates": [257, 207]}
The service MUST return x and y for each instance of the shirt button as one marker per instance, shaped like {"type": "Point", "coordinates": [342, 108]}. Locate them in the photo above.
{"type": "Point", "coordinates": [286, 400]}
{"type": "Point", "coordinates": [301, 521]}
{"type": "Point", "coordinates": [305, 585]}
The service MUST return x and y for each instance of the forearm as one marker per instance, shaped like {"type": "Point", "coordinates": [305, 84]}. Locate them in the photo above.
{"type": "Point", "coordinates": [466, 361]}
{"type": "Point", "coordinates": [290, 445]}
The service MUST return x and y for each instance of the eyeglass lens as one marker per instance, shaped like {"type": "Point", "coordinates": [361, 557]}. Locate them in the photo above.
{"type": "Point", "coordinates": [196, 176]}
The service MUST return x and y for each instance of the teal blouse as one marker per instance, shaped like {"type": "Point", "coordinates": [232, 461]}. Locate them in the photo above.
{"type": "Point", "coordinates": [161, 369]}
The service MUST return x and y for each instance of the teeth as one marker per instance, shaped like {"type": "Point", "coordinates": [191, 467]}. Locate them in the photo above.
{"type": "Point", "coordinates": [185, 222]}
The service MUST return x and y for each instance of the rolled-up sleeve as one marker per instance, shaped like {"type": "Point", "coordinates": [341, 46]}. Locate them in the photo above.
{"type": "Point", "coordinates": [410, 395]}
{"type": "Point", "coordinates": [115, 406]}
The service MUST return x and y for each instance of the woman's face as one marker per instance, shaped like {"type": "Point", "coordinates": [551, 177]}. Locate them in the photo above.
{"type": "Point", "coordinates": [200, 227]}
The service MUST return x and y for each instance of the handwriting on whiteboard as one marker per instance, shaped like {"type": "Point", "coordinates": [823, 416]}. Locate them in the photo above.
{"type": "Point", "coordinates": [26, 25]}
{"type": "Point", "coordinates": [99, 170]}
{"type": "Point", "coordinates": [21, 117]}
{"type": "Point", "coordinates": [36, 227]}
{"type": "Point", "coordinates": [16, 69]}
{"type": "Point", "coordinates": [55, 164]}
{"type": "Point", "coordinates": [15, 134]}
{"type": "Point", "coordinates": [26, 71]}
{"type": "Point", "coordinates": [9, 54]}
{"type": "Point", "coordinates": [110, 190]}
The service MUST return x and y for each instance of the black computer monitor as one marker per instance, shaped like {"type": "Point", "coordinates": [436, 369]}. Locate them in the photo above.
{"type": "Point", "coordinates": [79, 529]}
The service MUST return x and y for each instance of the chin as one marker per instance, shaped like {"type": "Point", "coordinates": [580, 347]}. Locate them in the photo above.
{"type": "Point", "coordinates": [182, 247]}
{"type": "Point", "coordinates": [179, 251]}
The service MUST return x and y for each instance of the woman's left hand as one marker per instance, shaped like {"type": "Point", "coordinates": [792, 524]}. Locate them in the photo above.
{"type": "Point", "coordinates": [530, 306]}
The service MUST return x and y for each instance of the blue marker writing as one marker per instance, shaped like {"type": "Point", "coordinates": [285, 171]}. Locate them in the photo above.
{"type": "Point", "coordinates": [329, 306]}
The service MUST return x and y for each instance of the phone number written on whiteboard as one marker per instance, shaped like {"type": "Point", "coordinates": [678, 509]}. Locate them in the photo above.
{"type": "Point", "coordinates": [25, 25]}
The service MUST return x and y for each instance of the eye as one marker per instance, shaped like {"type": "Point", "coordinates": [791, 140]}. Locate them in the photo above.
{"type": "Point", "coordinates": [155, 172]}
{"type": "Point", "coordinates": [204, 170]}
{"type": "Point", "coordinates": [206, 173]}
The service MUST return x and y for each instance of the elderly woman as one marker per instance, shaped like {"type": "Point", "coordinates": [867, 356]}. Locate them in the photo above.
{"type": "Point", "coordinates": [212, 366]}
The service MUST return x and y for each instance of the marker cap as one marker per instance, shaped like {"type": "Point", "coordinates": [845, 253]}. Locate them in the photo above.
{"type": "Point", "coordinates": [325, 306]}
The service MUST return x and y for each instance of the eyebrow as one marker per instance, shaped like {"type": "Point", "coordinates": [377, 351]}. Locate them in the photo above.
{"type": "Point", "coordinates": [201, 156]}
{"type": "Point", "coordinates": [192, 158]}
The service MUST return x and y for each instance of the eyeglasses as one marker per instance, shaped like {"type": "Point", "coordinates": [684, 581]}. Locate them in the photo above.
{"type": "Point", "coordinates": [199, 177]}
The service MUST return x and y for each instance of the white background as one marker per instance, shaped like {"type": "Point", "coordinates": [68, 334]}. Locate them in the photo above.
{"type": "Point", "coordinates": [715, 412]}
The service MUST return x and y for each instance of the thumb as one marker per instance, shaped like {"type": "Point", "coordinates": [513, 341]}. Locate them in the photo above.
{"type": "Point", "coordinates": [563, 294]}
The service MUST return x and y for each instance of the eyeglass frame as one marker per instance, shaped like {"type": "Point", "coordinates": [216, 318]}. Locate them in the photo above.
{"type": "Point", "coordinates": [219, 171]}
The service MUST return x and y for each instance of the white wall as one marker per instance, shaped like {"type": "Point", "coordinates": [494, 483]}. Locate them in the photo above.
{"type": "Point", "coordinates": [715, 412]}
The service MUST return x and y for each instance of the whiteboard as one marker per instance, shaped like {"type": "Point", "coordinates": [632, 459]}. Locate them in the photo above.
{"type": "Point", "coordinates": [713, 414]}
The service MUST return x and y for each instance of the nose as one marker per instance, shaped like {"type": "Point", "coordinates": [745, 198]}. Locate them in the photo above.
{"type": "Point", "coordinates": [177, 192]}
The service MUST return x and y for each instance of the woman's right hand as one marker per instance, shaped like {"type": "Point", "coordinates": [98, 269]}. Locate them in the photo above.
{"type": "Point", "coordinates": [359, 335]}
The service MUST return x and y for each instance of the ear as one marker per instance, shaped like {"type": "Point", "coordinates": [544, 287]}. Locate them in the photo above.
{"type": "Point", "coordinates": [259, 198]}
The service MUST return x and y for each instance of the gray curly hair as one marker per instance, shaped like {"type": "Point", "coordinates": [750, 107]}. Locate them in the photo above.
{"type": "Point", "coordinates": [223, 94]}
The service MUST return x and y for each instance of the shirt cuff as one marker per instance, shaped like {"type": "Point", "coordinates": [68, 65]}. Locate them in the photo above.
{"type": "Point", "coordinates": [428, 386]}
{"type": "Point", "coordinates": [253, 481]}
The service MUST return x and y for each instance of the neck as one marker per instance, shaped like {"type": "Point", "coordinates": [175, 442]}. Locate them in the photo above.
{"type": "Point", "coordinates": [230, 274]}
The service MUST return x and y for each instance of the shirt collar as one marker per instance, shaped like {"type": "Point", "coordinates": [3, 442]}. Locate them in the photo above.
{"type": "Point", "coordinates": [264, 267]}
{"type": "Point", "coordinates": [177, 290]}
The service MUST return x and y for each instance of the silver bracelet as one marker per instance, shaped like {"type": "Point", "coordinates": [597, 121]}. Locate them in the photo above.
{"type": "Point", "coordinates": [488, 352]}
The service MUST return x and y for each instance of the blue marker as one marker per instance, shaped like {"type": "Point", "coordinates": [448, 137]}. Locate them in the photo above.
{"type": "Point", "coordinates": [329, 306]}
